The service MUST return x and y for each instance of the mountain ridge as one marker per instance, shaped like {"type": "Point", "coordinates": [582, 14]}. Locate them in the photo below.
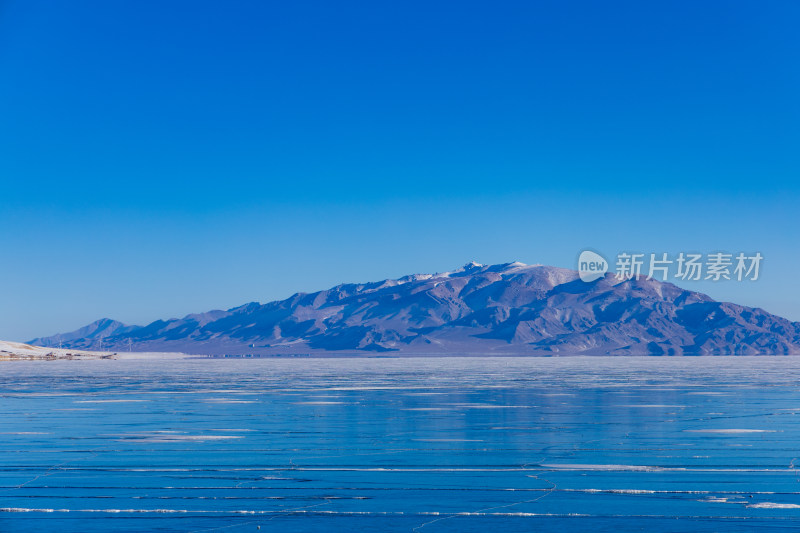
{"type": "Point", "coordinates": [504, 309]}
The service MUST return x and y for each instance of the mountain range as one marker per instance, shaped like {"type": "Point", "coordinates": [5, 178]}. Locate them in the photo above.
{"type": "Point", "coordinates": [505, 309]}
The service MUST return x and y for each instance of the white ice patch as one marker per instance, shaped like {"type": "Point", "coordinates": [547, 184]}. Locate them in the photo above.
{"type": "Point", "coordinates": [771, 505]}
{"type": "Point", "coordinates": [729, 430]}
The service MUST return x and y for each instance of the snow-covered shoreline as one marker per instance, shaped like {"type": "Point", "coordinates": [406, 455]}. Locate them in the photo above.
{"type": "Point", "coordinates": [18, 351]}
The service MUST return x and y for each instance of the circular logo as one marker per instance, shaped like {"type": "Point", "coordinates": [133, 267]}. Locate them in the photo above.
{"type": "Point", "coordinates": [591, 266]}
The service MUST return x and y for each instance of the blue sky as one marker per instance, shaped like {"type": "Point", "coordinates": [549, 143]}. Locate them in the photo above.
{"type": "Point", "coordinates": [162, 158]}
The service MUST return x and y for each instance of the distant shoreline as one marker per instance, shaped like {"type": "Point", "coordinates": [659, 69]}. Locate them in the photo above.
{"type": "Point", "coordinates": [74, 355]}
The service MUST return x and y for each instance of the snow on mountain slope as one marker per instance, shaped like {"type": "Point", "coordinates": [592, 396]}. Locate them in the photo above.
{"type": "Point", "coordinates": [18, 350]}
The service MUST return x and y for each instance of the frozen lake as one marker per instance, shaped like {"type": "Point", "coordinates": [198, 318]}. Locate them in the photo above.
{"type": "Point", "coordinates": [423, 445]}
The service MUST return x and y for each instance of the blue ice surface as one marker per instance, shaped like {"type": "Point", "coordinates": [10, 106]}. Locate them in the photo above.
{"type": "Point", "coordinates": [416, 445]}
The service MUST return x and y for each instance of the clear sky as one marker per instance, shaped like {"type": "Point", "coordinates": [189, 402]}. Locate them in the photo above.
{"type": "Point", "coordinates": [162, 158]}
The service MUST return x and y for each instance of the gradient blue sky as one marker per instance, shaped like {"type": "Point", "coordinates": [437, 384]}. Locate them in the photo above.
{"type": "Point", "coordinates": [162, 158]}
